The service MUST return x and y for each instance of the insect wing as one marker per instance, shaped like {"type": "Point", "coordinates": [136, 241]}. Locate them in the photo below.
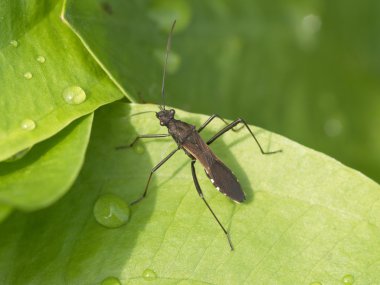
{"type": "Point", "coordinates": [220, 175]}
{"type": "Point", "coordinates": [225, 181]}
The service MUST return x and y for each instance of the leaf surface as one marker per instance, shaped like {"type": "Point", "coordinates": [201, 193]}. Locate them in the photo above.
{"type": "Point", "coordinates": [307, 218]}
{"type": "Point", "coordinates": [40, 58]}
{"type": "Point", "coordinates": [5, 210]}
{"type": "Point", "coordinates": [46, 171]}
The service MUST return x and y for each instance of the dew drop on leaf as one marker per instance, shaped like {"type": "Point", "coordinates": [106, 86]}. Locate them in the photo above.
{"type": "Point", "coordinates": [348, 279]}
{"type": "Point", "coordinates": [14, 43]}
{"type": "Point", "coordinates": [111, 211]}
{"type": "Point", "coordinates": [111, 281]}
{"type": "Point", "coordinates": [149, 274]}
{"type": "Point", "coordinates": [74, 95]}
{"type": "Point", "coordinates": [28, 75]}
{"type": "Point", "coordinates": [41, 59]}
{"type": "Point", "coordinates": [28, 125]}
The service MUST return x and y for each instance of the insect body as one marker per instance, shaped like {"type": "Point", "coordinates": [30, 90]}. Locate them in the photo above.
{"type": "Point", "coordinates": [188, 139]}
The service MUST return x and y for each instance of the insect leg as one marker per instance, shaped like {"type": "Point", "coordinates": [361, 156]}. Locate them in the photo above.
{"type": "Point", "coordinates": [151, 136]}
{"type": "Point", "coordinates": [208, 206]}
{"type": "Point", "coordinates": [208, 121]}
{"type": "Point", "coordinates": [233, 124]}
{"type": "Point", "coordinates": [151, 173]}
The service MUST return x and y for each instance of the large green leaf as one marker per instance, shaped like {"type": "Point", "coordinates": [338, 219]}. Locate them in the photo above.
{"type": "Point", "coordinates": [48, 170]}
{"type": "Point", "coordinates": [308, 70]}
{"type": "Point", "coordinates": [5, 210]}
{"type": "Point", "coordinates": [307, 217]}
{"type": "Point", "coordinates": [40, 58]}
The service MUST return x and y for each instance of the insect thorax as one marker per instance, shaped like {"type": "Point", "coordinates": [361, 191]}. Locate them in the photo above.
{"type": "Point", "coordinates": [180, 131]}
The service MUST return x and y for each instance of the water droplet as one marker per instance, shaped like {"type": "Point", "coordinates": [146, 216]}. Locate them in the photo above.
{"type": "Point", "coordinates": [174, 60]}
{"type": "Point", "coordinates": [74, 95]}
{"type": "Point", "coordinates": [138, 148]}
{"type": "Point", "coordinates": [333, 127]}
{"type": "Point", "coordinates": [111, 211]}
{"type": "Point", "coordinates": [311, 24]}
{"type": "Point", "coordinates": [316, 283]}
{"type": "Point", "coordinates": [28, 125]}
{"type": "Point", "coordinates": [307, 31]}
{"type": "Point", "coordinates": [111, 281]}
{"type": "Point", "coordinates": [18, 155]}
{"type": "Point", "coordinates": [149, 274]}
{"type": "Point", "coordinates": [348, 279]}
{"type": "Point", "coordinates": [165, 12]}
{"type": "Point", "coordinates": [41, 59]}
{"type": "Point", "coordinates": [28, 75]}
{"type": "Point", "coordinates": [14, 43]}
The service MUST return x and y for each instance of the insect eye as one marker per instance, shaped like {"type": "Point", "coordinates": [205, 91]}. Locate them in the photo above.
{"type": "Point", "coordinates": [172, 111]}
{"type": "Point", "coordinates": [161, 123]}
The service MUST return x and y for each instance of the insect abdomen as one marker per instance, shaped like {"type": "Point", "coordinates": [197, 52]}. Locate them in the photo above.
{"type": "Point", "coordinates": [225, 181]}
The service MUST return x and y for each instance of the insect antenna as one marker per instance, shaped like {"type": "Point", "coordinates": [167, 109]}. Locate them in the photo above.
{"type": "Point", "coordinates": [162, 107]}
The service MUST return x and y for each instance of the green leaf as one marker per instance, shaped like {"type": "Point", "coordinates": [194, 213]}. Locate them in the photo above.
{"type": "Point", "coordinates": [294, 67]}
{"type": "Point", "coordinates": [48, 170]}
{"type": "Point", "coordinates": [5, 210]}
{"type": "Point", "coordinates": [40, 58]}
{"type": "Point", "coordinates": [307, 217]}
{"type": "Point", "coordinates": [124, 43]}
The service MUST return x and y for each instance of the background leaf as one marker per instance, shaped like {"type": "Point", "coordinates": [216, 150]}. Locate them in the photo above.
{"type": "Point", "coordinates": [40, 57]}
{"type": "Point", "coordinates": [307, 218]}
{"type": "Point", "coordinates": [306, 70]}
{"type": "Point", "coordinates": [48, 170]}
{"type": "Point", "coordinates": [5, 210]}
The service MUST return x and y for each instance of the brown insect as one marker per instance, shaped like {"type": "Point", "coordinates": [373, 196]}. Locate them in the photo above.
{"type": "Point", "coordinates": [188, 139]}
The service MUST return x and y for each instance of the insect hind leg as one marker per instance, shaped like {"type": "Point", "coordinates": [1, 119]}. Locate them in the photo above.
{"type": "Point", "coordinates": [199, 190]}
{"type": "Point", "coordinates": [231, 126]}
{"type": "Point", "coordinates": [209, 120]}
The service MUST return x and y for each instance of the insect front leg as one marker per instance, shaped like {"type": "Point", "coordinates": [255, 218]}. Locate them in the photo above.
{"type": "Point", "coordinates": [149, 136]}
{"type": "Point", "coordinates": [233, 124]}
{"type": "Point", "coordinates": [196, 183]}
{"type": "Point", "coordinates": [151, 173]}
{"type": "Point", "coordinates": [212, 118]}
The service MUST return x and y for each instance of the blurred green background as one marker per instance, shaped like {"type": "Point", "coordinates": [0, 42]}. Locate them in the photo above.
{"type": "Point", "coordinates": [307, 70]}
